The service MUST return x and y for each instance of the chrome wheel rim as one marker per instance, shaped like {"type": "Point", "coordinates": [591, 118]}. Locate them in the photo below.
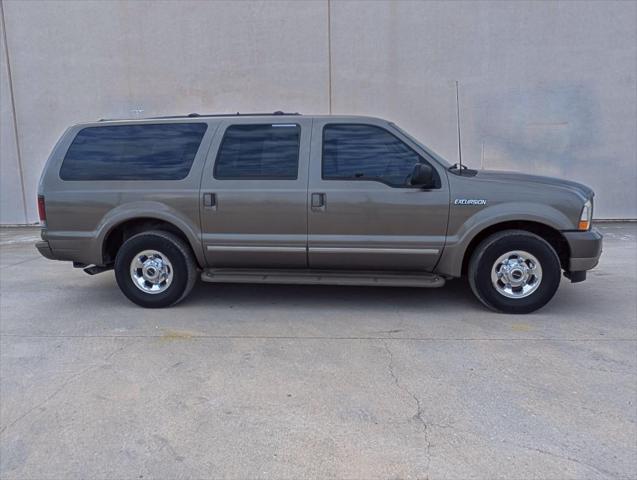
{"type": "Point", "coordinates": [151, 271]}
{"type": "Point", "coordinates": [516, 274]}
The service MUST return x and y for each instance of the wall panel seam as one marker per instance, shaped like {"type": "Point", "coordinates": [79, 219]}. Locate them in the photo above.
{"type": "Point", "coordinates": [329, 54]}
{"type": "Point", "coordinates": [13, 113]}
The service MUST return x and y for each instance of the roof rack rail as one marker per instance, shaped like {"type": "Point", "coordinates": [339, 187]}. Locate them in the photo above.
{"type": "Point", "coordinates": [197, 115]}
{"type": "Point", "coordinates": [238, 114]}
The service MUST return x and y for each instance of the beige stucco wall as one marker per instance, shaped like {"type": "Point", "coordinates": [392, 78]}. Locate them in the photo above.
{"type": "Point", "coordinates": [545, 87]}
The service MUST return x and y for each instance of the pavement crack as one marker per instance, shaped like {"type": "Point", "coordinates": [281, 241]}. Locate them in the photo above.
{"type": "Point", "coordinates": [599, 470]}
{"type": "Point", "coordinates": [418, 415]}
{"type": "Point", "coordinates": [62, 386]}
{"type": "Point", "coordinates": [165, 443]}
{"type": "Point", "coordinates": [329, 337]}
{"type": "Point", "coordinates": [19, 263]}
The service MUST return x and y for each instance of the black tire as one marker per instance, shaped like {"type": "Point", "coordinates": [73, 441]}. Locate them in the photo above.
{"type": "Point", "coordinates": [498, 244]}
{"type": "Point", "coordinates": [178, 253]}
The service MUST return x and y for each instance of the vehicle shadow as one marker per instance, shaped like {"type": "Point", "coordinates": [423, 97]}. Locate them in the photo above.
{"type": "Point", "coordinates": [456, 296]}
{"type": "Point", "coordinates": [453, 298]}
{"type": "Point", "coordinates": [455, 292]}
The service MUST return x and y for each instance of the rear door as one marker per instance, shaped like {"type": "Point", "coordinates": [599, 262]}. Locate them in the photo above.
{"type": "Point", "coordinates": [253, 200]}
{"type": "Point", "coordinates": [363, 214]}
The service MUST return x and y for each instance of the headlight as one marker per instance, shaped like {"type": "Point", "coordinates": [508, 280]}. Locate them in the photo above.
{"type": "Point", "coordinates": [586, 216]}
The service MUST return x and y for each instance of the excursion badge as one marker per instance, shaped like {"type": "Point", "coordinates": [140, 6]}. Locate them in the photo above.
{"type": "Point", "coordinates": [470, 201]}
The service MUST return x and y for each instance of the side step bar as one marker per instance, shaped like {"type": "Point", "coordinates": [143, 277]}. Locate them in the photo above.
{"type": "Point", "coordinates": [323, 277]}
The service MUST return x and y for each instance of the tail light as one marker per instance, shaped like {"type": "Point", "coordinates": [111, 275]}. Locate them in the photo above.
{"type": "Point", "coordinates": [41, 208]}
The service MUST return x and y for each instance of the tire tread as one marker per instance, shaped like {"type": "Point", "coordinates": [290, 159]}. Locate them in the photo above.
{"type": "Point", "coordinates": [184, 249]}
{"type": "Point", "coordinates": [482, 248]}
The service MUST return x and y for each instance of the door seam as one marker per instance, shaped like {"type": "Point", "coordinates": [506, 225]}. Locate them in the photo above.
{"type": "Point", "coordinates": [200, 192]}
{"type": "Point", "coordinates": [307, 198]}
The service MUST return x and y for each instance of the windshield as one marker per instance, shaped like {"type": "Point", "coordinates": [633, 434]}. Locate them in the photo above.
{"type": "Point", "coordinates": [440, 159]}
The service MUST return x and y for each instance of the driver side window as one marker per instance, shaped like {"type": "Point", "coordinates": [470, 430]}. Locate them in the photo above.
{"type": "Point", "coordinates": [366, 152]}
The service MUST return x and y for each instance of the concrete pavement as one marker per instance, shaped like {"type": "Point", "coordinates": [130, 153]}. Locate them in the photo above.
{"type": "Point", "coordinates": [248, 381]}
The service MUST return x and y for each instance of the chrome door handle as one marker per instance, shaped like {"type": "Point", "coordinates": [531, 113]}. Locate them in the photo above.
{"type": "Point", "coordinates": [318, 202]}
{"type": "Point", "coordinates": [210, 200]}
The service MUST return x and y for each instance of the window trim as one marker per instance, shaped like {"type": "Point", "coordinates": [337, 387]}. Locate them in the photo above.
{"type": "Point", "coordinates": [194, 158]}
{"type": "Point", "coordinates": [374, 179]}
{"type": "Point", "coordinates": [252, 178]}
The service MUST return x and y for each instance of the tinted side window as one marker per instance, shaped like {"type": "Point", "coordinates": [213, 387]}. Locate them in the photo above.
{"type": "Point", "coordinates": [366, 152]}
{"type": "Point", "coordinates": [259, 152]}
{"type": "Point", "coordinates": [133, 152]}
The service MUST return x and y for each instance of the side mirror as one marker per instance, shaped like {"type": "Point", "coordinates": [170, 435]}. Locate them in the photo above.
{"type": "Point", "coordinates": [422, 176]}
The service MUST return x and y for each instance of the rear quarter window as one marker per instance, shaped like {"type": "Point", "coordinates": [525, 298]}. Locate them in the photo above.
{"type": "Point", "coordinates": [133, 152]}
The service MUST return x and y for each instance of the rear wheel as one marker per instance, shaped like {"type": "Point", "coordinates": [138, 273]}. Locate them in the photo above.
{"type": "Point", "coordinates": [155, 269]}
{"type": "Point", "coordinates": [514, 271]}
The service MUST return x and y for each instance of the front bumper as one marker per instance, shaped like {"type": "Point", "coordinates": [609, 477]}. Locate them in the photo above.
{"type": "Point", "coordinates": [45, 250]}
{"type": "Point", "coordinates": [586, 248]}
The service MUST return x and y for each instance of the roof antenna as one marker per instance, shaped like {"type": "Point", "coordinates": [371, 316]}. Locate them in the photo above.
{"type": "Point", "coordinates": [458, 118]}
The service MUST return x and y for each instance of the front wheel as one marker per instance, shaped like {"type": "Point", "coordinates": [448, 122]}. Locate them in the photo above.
{"type": "Point", "coordinates": [514, 271]}
{"type": "Point", "coordinates": [155, 269]}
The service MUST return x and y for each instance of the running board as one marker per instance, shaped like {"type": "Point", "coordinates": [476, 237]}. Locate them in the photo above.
{"type": "Point", "coordinates": [323, 277]}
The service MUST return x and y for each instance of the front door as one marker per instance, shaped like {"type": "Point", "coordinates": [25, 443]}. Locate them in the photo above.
{"type": "Point", "coordinates": [363, 214]}
{"type": "Point", "coordinates": [253, 198]}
